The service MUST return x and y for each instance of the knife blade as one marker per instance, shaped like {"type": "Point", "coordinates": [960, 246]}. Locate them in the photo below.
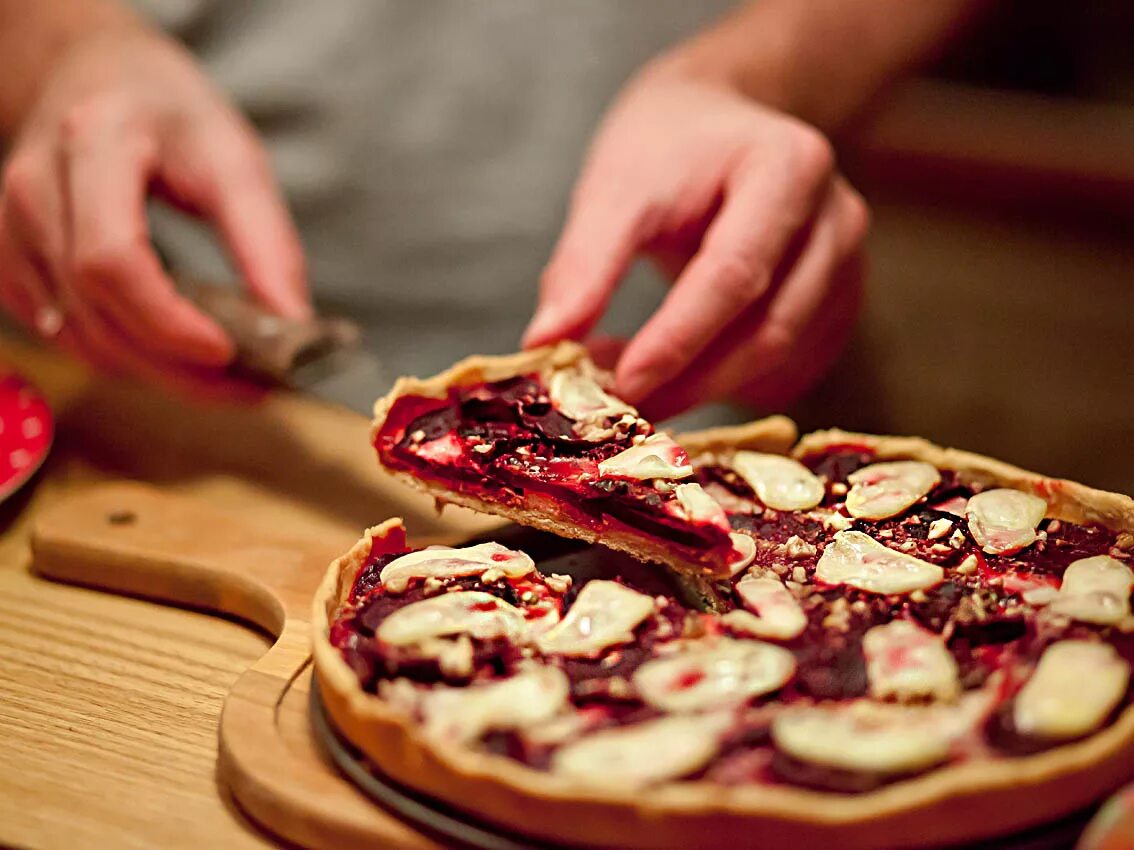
{"type": "Point", "coordinates": [322, 357]}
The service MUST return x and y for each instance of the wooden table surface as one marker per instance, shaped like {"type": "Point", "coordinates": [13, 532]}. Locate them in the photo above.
{"type": "Point", "coordinates": [109, 706]}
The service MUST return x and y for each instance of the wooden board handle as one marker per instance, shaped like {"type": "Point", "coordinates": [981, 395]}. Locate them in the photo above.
{"type": "Point", "coordinates": [129, 538]}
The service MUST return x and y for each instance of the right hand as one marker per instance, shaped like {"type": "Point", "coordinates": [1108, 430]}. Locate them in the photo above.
{"type": "Point", "coordinates": [122, 113]}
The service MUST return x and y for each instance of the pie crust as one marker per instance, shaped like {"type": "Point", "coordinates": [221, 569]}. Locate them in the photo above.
{"type": "Point", "coordinates": [950, 805]}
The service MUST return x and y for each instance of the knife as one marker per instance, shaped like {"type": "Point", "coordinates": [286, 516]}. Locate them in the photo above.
{"type": "Point", "coordinates": [323, 357]}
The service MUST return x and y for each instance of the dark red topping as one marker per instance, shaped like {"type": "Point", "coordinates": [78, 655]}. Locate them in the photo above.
{"type": "Point", "coordinates": [500, 441]}
{"type": "Point", "coordinates": [980, 612]}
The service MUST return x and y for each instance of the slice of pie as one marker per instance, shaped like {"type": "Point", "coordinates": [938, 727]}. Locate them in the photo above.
{"type": "Point", "coordinates": [538, 438]}
{"type": "Point", "coordinates": [918, 647]}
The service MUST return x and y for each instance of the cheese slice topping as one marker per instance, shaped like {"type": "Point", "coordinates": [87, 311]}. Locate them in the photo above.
{"type": "Point", "coordinates": [779, 482]}
{"type": "Point", "coordinates": [906, 662]}
{"type": "Point", "coordinates": [657, 456]}
{"type": "Point", "coordinates": [464, 612]}
{"type": "Point", "coordinates": [744, 552]}
{"type": "Point", "coordinates": [1003, 521]}
{"type": "Point", "coordinates": [579, 397]}
{"type": "Point", "coordinates": [1074, 688]}
{"type": "Point", "coordinates": [718, 674]}
{"type": "Point", "coordinates": [883, 490]}
{"type": "Point", "coordinates": [604, 614]}
{"type": "Point", "coordinates": [858, 560]}
{"type": "Point", "coordinates": [778, 614]}
{"type": "Point", "coordinates": [1095, 590]}
{"type": "Point", "coordinates": [643, 753]}
{"type": "Point", "coordinates": [875, 737]}
{"type": "Point", "coordinates": [698, 506]}
{"type": "Point", "coordinates": [446, 562]}
{"type": "Point", "coordinates": [464, 714]}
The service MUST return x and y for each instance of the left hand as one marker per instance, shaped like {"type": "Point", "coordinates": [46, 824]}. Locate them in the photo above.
{"type": "Point", "coordinates": [742, 206]}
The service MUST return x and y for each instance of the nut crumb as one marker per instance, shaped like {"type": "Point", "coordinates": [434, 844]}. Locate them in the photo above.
{"type": "Point", "coordinates": [432, 585]}
{"type": "Point", "coordinates": [838, 618]}
{"type": "Point", "coordinates": [797, 547]}
{"type": "Point", "coordinates": [558, 583]}
{"type": "Point", "coordinates": [919, 596]}
{"type": "Point", "coordinates": [968, 566]}
{"type": "Point", "coordinates": [939, 528]}
{"type": "Point", "coordinates": [799, 575]}
{"type": "Point", "coordinates": [417, 436]}
{"type": "Point", "coordinates": [839, 488]}
{"type": "Point", "coordinates": [483, 448]}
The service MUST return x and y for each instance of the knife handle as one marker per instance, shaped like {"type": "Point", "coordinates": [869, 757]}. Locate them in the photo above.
{"type": "Point", "coordinates": [270, 349]}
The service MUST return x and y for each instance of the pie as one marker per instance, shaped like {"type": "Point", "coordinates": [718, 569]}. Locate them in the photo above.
{"type": "Point", "coordinates": [910, 646]}
{"type": "Point", "coordinates": [537, 438]}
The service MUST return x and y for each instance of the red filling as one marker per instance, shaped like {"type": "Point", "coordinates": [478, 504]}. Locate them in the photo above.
{"type": "Point", "coordinates": [501, 441]}
{"type": "Point", "coordinates": [986, 625]}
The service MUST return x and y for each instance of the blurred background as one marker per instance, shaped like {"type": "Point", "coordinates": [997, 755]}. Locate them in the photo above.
{"type": "Point", "coordinates": [1000, 305]}
{"type": "Point", "coordinates": [1000, 313]}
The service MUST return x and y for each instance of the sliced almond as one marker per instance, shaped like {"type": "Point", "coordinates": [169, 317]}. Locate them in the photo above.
{"type": "Point", "coordinates": [1095, 590]}
{"type": "Point", "coordinates": [864, 736]}
{"type": "Point", "coordinates": [717, 674]}
{"type": "Point", "coordinates": [445, 562]}
{"type": "Point", "coordinates": [466, 612]}
{"type": "Point", "coordinates": [1074, 688]}
{"type": "Point", "coordinates": [777, 613]}
{"type": "Point", "coordinates": [658, 456]}
{"type": "Point", "coordinates": [465, 714]}
{"type": "Point", "coordinates": [698, 506]}
{"type": "Point", "coordinates": [604, 614]}
{"type": "Point", "coordinates": [1003, 521]}
{"type": "Point", "coordinates": [744, 552]}
{"type": "Point", "coordinates": [883, 490]}
{"type": "Point", "coordinates": [779, 482]}
{"type": "Point", "coordinates": [905, 662]}
{"type": "Point", "coordinates": [858, 560]}
{"type": "Point", "coordinates": [643, 753]}
{"type": "Point", "coordinates": [578, 396]}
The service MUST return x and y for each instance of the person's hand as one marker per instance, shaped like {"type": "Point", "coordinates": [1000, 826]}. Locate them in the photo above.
{"type": "Point", "coordinates": [742, 206]}
{"type": "Point", "coordinates": [124, 113]}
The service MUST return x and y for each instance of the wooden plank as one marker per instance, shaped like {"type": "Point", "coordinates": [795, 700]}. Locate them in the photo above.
{"type": "Point", "coordinates": [128, 538]}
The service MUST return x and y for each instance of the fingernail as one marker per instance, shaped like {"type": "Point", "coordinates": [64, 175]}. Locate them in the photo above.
{"type": "Point", "coordinates": [49, 321]}
{"type": "Point", "coordinates": [635, 387]}
{"type": "Point", "coordinates": [539, 328]}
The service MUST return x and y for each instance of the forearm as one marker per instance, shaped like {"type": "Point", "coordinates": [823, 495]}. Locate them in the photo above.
{"type": "Point", "coordinates": [822, 60]}
{"type": "Point", "coordinates": [32, 37]}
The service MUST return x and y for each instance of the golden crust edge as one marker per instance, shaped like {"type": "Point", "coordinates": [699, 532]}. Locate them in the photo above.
{"type": "Point", "coordinates": [678, 814]}
{"type": "Point", "coordinates": [1067, 500]}
{"type": "Point", "coordinates": [773, 434]}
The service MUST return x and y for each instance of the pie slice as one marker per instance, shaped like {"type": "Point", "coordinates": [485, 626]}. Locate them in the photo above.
{"type": "Point", "coordinates": [537, 438]}
{"type": "Point", "coordinates": [920, 647]}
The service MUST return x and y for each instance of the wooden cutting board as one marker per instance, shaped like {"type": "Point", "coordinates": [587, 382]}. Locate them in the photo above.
{"type": "Point", "coordinates": [132, 539]}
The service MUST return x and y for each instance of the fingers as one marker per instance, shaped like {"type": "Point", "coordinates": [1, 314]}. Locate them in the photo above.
{"type": "Point", "coordinates": [223, 173]}
{"type": "Point", "coordinates": [602, 234]}
{"type": "Point", "coordinates": [112, 265]}
{"type": "Point", "coordinates": [759, 342]}
{"type": "Point", "coordinates": [766, 204]}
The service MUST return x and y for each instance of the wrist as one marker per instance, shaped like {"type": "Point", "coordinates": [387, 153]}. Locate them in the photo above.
{"type": "Point", "coordinates": [727, 56]}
